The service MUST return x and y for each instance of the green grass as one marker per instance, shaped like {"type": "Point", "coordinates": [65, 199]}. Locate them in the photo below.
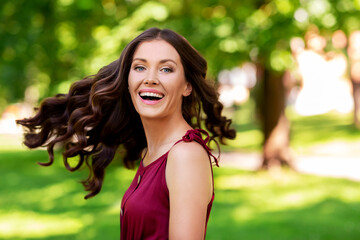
{"type": "Point", "coordinates": [284, 205]}
{"type": "Point", "coordinates": [312, 130]}
{"type": "Point", "coordinates": [47, 203]}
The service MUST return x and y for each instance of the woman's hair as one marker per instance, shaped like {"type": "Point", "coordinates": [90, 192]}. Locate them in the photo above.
{"type": "Point", "coordinates": [97, 116]}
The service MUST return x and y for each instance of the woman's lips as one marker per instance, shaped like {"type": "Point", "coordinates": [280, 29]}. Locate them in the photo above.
{"type": "Point", "coordinates": [155, 95]}
{"type": "Point", "coordinates": [150, 102]}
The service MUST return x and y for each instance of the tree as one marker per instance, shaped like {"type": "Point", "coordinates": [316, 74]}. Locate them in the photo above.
{"type": "Point", "coordinates": [49, 44]}
{"type": "Point", "coordinates": [260, 31]}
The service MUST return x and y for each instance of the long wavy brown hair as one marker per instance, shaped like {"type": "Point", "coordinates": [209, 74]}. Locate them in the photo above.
{"type": "Point", "coordinates": [97, 115]}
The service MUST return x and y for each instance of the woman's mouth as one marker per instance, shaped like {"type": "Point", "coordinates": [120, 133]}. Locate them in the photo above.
{"type": "Point", "coordinates": [151, 97]}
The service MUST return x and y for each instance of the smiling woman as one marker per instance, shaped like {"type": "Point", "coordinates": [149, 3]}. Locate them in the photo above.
{"type": "Point", "coordinates": [150, 101]}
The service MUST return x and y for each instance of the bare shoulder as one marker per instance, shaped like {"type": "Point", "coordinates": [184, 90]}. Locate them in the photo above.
{"type": "Point", "coordinates": [188, 167]}
{"type": "Point", "coordinates": [189, 153]}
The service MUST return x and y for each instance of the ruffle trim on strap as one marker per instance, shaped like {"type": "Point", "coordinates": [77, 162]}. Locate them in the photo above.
{"type": "Point", "coordinates": [195, 135]}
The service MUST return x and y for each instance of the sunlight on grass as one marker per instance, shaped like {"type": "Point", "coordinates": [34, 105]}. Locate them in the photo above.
{"type": "Point", "coordinates": [246, 140]}
{"type": "Point", "coordinates": [317, 129]}
{"type": "Point", "coordinates": [248, 201]}
{"type": "Point", "coordinates": [52, 192]}
{"type": "Point", "coordinates": [30, 224]}
{"type": "Point", "coordinates": [243, 214]}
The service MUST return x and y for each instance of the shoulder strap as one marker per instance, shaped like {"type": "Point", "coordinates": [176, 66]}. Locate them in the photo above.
{"type": "Point", "coordinates": [195, 135]}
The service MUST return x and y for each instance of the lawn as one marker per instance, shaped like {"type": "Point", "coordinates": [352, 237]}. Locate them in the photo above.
{"type": "Point", "coordinates": [47, 203]}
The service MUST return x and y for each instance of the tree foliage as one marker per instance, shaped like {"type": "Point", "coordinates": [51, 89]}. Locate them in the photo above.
{"type": "Point", "coordinates": [46, 45]}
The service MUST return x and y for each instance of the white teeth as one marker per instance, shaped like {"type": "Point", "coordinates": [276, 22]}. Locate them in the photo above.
{"type": "Point", "coordinates": [151, 94]}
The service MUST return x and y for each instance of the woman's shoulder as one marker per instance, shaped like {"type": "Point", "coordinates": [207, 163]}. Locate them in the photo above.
{"type": "Point", "coordinates": [188, 153]}
{"type": "Point", "coordinates": [188, 170]}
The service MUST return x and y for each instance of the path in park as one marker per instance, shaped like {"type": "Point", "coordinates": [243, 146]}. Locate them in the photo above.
{"type": "Point", "coordinates": [335, 159]}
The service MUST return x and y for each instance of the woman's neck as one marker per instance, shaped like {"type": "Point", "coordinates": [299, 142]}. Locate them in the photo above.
{"type": "Point", "coordinates": [163, 133]}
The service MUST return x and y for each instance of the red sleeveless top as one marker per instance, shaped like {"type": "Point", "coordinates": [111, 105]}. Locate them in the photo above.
{"type": "Point", "coordinates": [145, 207]}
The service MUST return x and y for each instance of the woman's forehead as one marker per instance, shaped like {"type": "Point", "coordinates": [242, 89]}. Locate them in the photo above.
{"type": "Point", "coordinates": [156, 50]}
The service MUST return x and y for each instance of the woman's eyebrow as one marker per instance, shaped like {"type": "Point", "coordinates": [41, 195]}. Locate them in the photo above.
{"type": "Point", "coordinates": [140, 59]}
{"type": "Point", "coordinates": [161, 61]}
{"type": "Point", "coordinates": [168, 60]}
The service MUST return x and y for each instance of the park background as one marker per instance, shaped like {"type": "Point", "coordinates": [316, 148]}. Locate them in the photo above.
{"type": "Point", "coordinates": [287, 72]}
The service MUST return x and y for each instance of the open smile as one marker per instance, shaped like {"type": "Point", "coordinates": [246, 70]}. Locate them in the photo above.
{"type": "Point", "coordinates": [151, 96]}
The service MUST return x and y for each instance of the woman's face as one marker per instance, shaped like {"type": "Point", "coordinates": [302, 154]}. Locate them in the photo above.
{"type": "Point", "coordinates": [157, 81]}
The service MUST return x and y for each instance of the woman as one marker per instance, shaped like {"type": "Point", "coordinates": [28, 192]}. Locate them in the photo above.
{"type": "Point", "coordinates": [149, 101]}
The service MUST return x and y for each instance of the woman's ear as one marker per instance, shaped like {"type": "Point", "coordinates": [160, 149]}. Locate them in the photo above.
{"type": "Point", "coordinates": [187, 90]}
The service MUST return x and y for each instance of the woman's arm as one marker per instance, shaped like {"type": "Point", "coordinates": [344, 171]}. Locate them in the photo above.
{"type": "Point", "coordinates": [189, 180]}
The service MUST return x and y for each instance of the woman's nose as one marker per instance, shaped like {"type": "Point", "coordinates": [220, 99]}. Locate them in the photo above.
{"type": "Point", "coordinates": [151, 82]}
{"type": "Point", "coordinates": [151, 78]}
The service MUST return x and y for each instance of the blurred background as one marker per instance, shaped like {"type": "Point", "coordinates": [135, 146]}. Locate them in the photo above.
{"type": "Point", "coordinates": [288, 74]}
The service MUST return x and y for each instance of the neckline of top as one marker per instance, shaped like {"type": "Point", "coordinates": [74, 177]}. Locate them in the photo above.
{"type": "Point", "coordinates": [153, 162]}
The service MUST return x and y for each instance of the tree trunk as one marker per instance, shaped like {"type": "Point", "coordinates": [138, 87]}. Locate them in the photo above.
{"type": "Point", "coordinates": [356, 98]}
{"type": "Point", "coordinates": [276, 126]}
{"type": "Point", "coordinates": [355, 80]}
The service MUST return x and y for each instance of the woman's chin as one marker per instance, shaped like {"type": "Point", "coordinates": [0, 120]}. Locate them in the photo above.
{"type": "Point", "coordinates": [151, 114]}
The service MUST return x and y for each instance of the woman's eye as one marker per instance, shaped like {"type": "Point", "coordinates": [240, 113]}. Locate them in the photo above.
{"type": "Point", "coordinates": [139, 68]}
{"type": "Point", "coordinates": [167, 70]}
